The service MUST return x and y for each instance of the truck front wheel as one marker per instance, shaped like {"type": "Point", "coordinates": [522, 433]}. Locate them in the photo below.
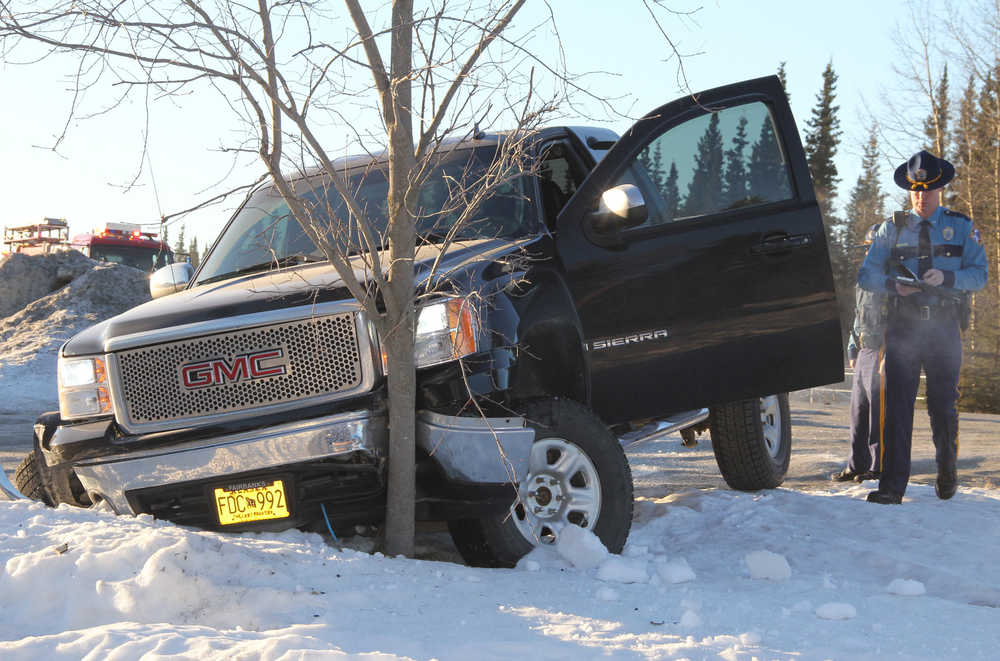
{"type": "Point", "coordinates": [30, 478]}
{"type": "Point", "coordinates": [577, 476]}
{"type": "Point", "coordinates": [752, 440]}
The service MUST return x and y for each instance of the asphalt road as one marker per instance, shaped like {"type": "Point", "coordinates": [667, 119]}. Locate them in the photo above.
{"type": "Point", "coordinates": [820, 447]}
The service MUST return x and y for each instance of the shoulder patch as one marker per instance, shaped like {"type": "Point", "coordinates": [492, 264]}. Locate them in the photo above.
{"type": "Point", "coordinates": [870, 234]}
{"type": "Point", "coordinates": [976, 236]}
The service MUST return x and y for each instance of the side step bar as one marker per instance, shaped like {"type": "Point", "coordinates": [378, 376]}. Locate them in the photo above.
{"type": "Point", "coordinates": [660, 428]}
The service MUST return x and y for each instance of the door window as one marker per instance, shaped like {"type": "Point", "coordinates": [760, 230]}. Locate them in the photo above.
{"type": "Point", "coordinates": [559, 175]}
{"type": "Point", "coordinates": [715, 162]}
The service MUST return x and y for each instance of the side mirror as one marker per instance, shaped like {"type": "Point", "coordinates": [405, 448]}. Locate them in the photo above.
{"type": "Point", "coordinates": [171, 278]}
{"type": "Point", "coordinates": [620, 208]}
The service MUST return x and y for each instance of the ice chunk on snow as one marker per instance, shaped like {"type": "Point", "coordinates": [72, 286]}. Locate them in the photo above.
{"type": "Point", "coordinates": [764, 564]}
{"type": "Point", "coordinates": [676, 571]}
{"type": "Point", "coordinates": [607, 594]}
{"type": "Point", "coordinates": [907, 587]}
{"type": "Point", "coordinates": [581, 548]}
{"type": "Point", "coordinates": [623, 570]}
{"type": "Point", "coordinates": [835, 610]}
{"type": "Point", "coordinates": [690, 620]}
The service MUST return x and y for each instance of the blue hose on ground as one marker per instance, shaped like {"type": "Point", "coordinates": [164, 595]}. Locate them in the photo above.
{"type": "Point", "coordinates": [322, 506]}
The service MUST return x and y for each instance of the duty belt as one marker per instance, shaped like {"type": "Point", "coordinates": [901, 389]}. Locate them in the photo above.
{"type": "Point", "coordinates": [869, 341]}
{"type": "Point", "coordinates": [913, 312]}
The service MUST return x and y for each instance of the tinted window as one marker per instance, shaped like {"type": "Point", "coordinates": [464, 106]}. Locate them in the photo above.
{"type": "Point", "coordinates": [717, 161]}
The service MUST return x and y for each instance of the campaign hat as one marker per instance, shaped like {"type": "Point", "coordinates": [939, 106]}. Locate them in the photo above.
{"type": "Point", "coordinates": [924, 171]}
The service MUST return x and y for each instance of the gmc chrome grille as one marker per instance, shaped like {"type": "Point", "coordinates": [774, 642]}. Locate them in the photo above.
{"type": "Point", "coordinates": [239, 371]}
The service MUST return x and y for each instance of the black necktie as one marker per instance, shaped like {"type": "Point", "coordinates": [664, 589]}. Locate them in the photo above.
{"type": "Point", "coordinates": [924, 249]}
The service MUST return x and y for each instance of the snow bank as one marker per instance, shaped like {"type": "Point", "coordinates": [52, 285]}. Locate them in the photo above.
{"type": "Point", "coordinates": [84, 584]}
{"type": "Point", "coordinates": [85, 292]}
{"type": "Point", "coordinates": [27, 278]}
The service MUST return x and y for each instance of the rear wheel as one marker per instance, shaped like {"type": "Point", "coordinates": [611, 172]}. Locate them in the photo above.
{"type": "Point", "coordinates": [577, 476]}
{"type": "Point", "coordinates": [29, 478]}
{"type": "Point", "coordinates": [752, 440]}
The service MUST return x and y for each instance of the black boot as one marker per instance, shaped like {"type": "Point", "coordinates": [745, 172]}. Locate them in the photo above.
{"type": "Point", "coordinates": [947, 484]}
{"type": "Point", "coordinates": [845, 475]}
{"type": "Point", "coordinates": [885, 497]}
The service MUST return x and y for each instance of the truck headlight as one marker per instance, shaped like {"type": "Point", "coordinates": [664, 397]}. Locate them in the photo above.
{"type": "Point", "coordinates": [445, 331]}
{"type": "Point", "coordinates": [83, 388]}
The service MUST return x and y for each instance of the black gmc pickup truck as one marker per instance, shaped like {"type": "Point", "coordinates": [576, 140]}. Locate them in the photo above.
{"type": "Point", "coordinates": [672, 279]}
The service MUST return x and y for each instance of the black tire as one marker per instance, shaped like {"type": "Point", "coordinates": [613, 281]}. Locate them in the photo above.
{"type": "Point", "coordinates": [30, 480]}
{"type": "Point", "coordinates": [752, 440]}
{"type": "Point", "coordinates": [569, 432]}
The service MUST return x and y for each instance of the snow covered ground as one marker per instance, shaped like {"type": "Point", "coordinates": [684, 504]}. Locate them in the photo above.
{"type": "Point", "coordinates": [706, 573]}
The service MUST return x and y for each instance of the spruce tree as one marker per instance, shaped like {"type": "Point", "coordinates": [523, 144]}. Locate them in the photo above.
{"type": "Point", "coordinates": [705, 190]}
{"type": "Point", "coordinates": [659, 177]}
{"type": "Point", "coordinates": [979, 130]}
{"type": "Point", "coordinates": [965, 159]}
{"type": "Point", "coordinates": [783, 77]}
{"type": "Point", "coordinates": [193, 252]}
{"type": "Point", "coordinates": [671, 193]}
{"type": "Point", "coordinates": [180, 247]}
{"type": "Point", "coordinates": [986, 154]}
{"type": "Point", "coordinates": [867, 201]}
{"type": "Point", "coordinates": [651, 158]}
{"type": "Point", "coordinates": [822, 139]}
{"type": "Point", "coordinates": [768, 179]}
{"type": "Point", "coordinates": [936, 124]}
{"type": "Point", "coordinates": [735, 183]}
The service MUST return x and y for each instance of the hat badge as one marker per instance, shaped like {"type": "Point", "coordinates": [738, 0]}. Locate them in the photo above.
{"type": "Point", "coordinates": [920, 174]}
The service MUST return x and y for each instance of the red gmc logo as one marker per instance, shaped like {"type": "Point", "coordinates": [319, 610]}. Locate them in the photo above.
{"type": "Point", "coordinates": [219, 371]}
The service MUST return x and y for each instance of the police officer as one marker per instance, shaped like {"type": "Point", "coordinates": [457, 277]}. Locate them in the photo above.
{"type": "Point", "coordinates": [864, 350]}
{"type": "Point", "coordinates": [945, 253]}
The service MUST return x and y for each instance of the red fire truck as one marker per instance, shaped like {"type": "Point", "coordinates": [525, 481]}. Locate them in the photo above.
{"type": "Point", "coordinates": [124, 243]}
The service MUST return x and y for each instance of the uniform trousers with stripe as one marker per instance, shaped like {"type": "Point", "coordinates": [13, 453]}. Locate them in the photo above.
{"type": "Point", "coordinates": [936, 346]}
{"type": "Point", "coordinates": [866, 412]}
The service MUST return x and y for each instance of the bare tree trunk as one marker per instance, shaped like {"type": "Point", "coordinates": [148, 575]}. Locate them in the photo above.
{"type": "Point", "coordinates": [400, 506]}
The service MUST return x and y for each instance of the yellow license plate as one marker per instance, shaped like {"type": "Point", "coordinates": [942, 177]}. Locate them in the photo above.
{"type": "Point", "coordinates": [255, 501]}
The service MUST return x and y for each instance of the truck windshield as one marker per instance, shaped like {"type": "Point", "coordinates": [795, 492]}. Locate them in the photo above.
{"type": "Point", "coordinates": [264, 234]}
{"type": "Point", "coordinates": [144, 259]}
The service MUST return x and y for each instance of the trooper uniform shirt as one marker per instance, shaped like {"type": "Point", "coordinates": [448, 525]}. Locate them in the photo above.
{"type": "Point", "coordinates": [956, 247]}
{"type": "Point", "coordinates": [923, 332]}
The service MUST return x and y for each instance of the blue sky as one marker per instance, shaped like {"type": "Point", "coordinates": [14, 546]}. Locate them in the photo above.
{"type": "Point", "coordinates": [727, 41]}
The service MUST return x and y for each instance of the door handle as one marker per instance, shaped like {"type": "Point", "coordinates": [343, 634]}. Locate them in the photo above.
{"type": "Point", "coordinates": [781, 243]}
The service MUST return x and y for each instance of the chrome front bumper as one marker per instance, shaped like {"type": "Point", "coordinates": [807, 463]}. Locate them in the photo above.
{"type": "Point", "coordinates": [110, 478]}
{"type": "Point", "coordinates": [468, 450]}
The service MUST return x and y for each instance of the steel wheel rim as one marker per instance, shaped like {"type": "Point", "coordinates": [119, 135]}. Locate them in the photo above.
{"type": "Point", "coordinates": [770, 423]}
{"type": "Point", "coordinates": [562, 489]}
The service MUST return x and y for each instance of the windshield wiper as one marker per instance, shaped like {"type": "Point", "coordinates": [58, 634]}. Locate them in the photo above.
{"type": "Point", "coordinates": [432, 237]}
{"type": "Point", "coordinates": [273, 264]}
